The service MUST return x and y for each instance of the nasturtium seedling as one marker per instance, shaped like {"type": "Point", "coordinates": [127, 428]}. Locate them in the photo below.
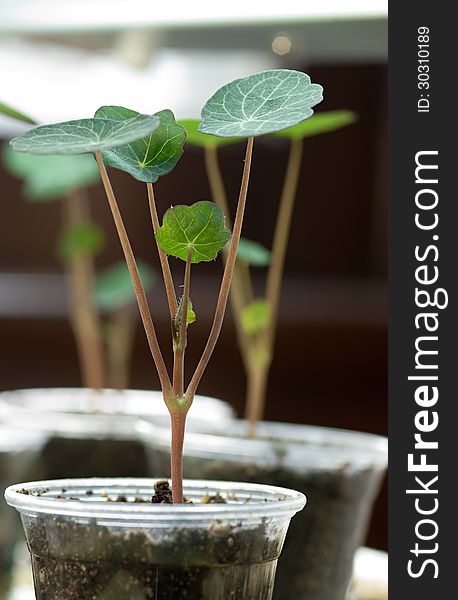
{"type": "Point", "coordinates": [199, 227]}
{"type": "Point", "coordinates": [323, 122]}
{"type": "Point", "coordinates": [203, 140]}
{"type": "Point", "coordinates": [114, 289]}
{"type": "Point", "coordinates": [13, 113]}
{"type": "Point", "coordinates": [148, 158]}
{"type": "Point", "coordinates": [51, 177]}
{"type": "Point", "coordinates": [260, 104]}
{"type": "Point", "coordinates": [253, 253]}
{"type": "Point", "coordinates": [84, 135]}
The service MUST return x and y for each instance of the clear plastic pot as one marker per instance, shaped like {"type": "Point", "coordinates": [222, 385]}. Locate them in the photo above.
{"type": "Point", "coordinates": [93, 433]}
{"type": "Point", "coordinates": [18, 449]}
{"type": "Point", "coordinates": [339, 471]}
{"type": "Point", "coordinates": [96, 539]}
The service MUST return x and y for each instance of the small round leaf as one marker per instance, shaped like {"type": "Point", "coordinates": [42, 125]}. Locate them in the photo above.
{"type": "Point", "coordinates": [199, 226]}
{"type": "Point", "coordinates": [84, 239]}
{"type": "Point", "coordinates": [253, 254]}
{"type": "Point", "coordinates": [151, 157]}
{"type": "Point", "coordinates": [84, 135]}
{"type": "Point", "coordinates": [50, 177]}
{"type": "Point", "coordinates": [114, 288]}
{"type": "Point", "coordinates": [260, 104]}
{"type": "Point", "coordinates": [256, 316]}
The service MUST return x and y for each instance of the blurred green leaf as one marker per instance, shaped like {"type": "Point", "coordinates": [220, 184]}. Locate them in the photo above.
{"type": "Point", "coordinates": [9, 111]}
{"type": "Point", "coordinates": [199, 226]}
{"type": "Point", "coordinates": [323, 122]}
{"type": "Point", "coordinates": [149, 158]}
{"type": "Point", "coordinates": [256, 316]}
{"type": "Point", "coordinates": [253, 254]}
{"type": "Point", "coordinates": [196, 138]}
{"type": "Point", "coordinates": [84, 135]}
{"type": "Point", "coordinates": [260, 104]}
{"type": "Point", "coordinates": [83, 239]}
{"type": "Point", "coordinates": [50, 177]}
{"type": "Point", "coordinates": [114, 288]}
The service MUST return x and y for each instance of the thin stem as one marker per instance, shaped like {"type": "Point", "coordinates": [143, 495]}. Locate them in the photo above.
{"type": "Point", "coordinates": [281, 237]}
{"type": "Point", "coordinates": [178, 423]}
{"type": "Point", "coordinates": [166, 272]}
{"type": "Point", "coordinates": [181, 342]}
{"type": "Point", "coordinates": [227, 276]}
{"type": "Point", "coordinates": [119, 341]}
{"type": "Point", "coordinates": [258, 374]}
{"type": "Point", "coordinates": [137, 283]}
{"type": "Point", "coordinates": [83, 313]}
{"type": "Point", "coordinates": [241, 292]}
{"type": "Point", "coordinates": [257, 378]}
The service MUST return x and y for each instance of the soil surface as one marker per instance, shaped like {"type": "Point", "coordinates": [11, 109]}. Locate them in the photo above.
{"type": "Point", "coordinates": [90, 561]}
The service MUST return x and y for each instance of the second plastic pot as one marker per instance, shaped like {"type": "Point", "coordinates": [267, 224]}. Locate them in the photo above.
{"type": "Point", "coordinates": [339, 471]}
{"type": "Point", "coordinates": [91, 433]}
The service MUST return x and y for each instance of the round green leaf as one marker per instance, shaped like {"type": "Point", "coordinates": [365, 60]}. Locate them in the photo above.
{"type": "Point", "coordinates": [114, 288]}
{"type": "Point", "coordinates": [260, 104]}
{"type": "Point", "coordinates": [256, 316]}
{"type": "Point", "coordinates": [196, 138]}
{"type": "Point", "coordinates": [148, 158]}
{"type": "Point", "coordinates": [253, 254]}
{"type": "Point", "coordinates": [9, 111]}
{"type": "Point", "coordinates": [49, 177]}
{"type": "Point", "coordinates": [199, 226]}
{"type": "Point", "coordinates": [84, 135]}
{"type": "Point", "coordinates": [83, 239]}
{"type": "Point", "coordinates": [323, 122]}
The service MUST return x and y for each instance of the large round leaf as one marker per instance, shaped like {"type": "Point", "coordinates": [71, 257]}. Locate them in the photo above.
{"type": "Point", "coordinates": [148, 158]}
{"type": "Point", "coordinates": [49, 177]}
{"type": "Point", "coordinates": [260, 104]}
{"type": "Point", "coordinates": [196, 138]}
{"type": "Point", "coordinates": [199, 226]}
{"type": "Point", "coordinates": [253, 254]}
{"type": "Point", "coordinates": [84, 135]}
{"type": "Point", "coordinates": [323, 122]}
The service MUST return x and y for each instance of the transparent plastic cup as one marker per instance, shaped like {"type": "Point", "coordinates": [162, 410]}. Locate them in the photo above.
{"type": "Point", "coordinates": [95, 539]}
{"type": "Point", "coordinates": [18, 449]}
{"type": "Point", "coordinates": [93, 432]}
{"type": "Point", "coordinates": [340, 471]}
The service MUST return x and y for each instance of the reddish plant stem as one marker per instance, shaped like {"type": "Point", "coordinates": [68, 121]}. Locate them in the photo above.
{"type": "Point", "coordinates": [145, 314]}
{"type": "Point", "coordinates": [166, 272]}
{"type": "Point", "coordinates": [178, 424]}
{"type": "Point", "coordinates": [227, 277]}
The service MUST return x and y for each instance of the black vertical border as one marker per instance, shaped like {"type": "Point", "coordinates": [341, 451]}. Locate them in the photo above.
{"type": "Point", "coordinates": [411, 132]}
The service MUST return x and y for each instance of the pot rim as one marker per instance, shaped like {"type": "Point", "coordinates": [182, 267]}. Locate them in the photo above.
{"type": "Point", "coordinates": [86, 412]}
{"type": "Point", "coordinates": [270, 501]}
{"type": "Point", "coordinates": [16, 439]}
{"type": "Point", "coordinates": [288, 445]}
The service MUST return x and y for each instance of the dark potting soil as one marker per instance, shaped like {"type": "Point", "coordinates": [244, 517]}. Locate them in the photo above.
{"type": "Point", "coordinates": [317, 559]}
{"type": "Point", "coordinates": [93, 457]}
{"type": "Point", "coordinates": [90, 561]}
